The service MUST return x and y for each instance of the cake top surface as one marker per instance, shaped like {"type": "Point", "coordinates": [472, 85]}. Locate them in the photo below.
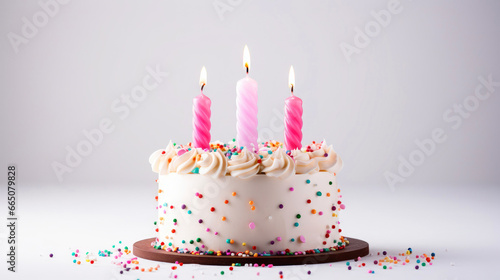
{"type": "Point", "coordinates": [223, 159]}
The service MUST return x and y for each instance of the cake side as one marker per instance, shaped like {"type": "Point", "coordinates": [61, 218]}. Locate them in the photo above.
{"type": "Point", "coordinates": [260, 215]}
{"type": "Point", "coordinates": [229, 200]}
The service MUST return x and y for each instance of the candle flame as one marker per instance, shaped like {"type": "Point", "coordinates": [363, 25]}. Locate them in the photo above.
{"type": "Point", "coordinates": [291, 78]}
{"type": "Point", "coordinates": [203, 76]}
{"type": "Point", "coordinates": [246, 58]}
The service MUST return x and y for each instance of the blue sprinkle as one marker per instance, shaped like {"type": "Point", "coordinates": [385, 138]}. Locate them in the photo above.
{"type": "Point", "coordinates": [308, 181]}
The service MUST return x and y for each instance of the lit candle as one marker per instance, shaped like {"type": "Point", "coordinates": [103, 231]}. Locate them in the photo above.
{"type": "Point", "coordinates": [201, 116]}
{"type": "Point", "coordinates": [246, 108]}
{"type": "Point", "coordinates": [293, 117]}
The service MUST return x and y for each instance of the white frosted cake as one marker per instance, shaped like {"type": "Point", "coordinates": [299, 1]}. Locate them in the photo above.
{"type": "Point", "coordinates": [230, 201]}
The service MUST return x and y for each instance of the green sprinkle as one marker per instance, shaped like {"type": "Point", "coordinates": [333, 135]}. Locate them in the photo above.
{"type": "Point", "coordinates": [222, 273]}
{"type": "Point", "coordinates": [175, 220]}
{"type": "Point", "coordinates": [293, 239]}
{"type": "Point", "coordinates": [298, 216]}
{"type": "Point", "coordinates": [191, 241]}
{"type": "Point", "coordinates": [198, 239]}
{"type": "Point", "coordinates": [318, 193]}
{"type": "Point", "coordinates": [331, 183]}
{"type": "Point", "coordinates": [384, 267]}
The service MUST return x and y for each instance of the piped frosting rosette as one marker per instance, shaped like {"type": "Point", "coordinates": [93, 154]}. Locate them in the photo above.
{"type": "Point", "coordinates": [278, 164]}
{"type": "Point", "coordinates": [244, 164]}
{"type": "Point", "coordinates": [161, 159]}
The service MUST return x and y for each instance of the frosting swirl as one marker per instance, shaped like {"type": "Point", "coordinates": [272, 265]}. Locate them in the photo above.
{"type": "Point", "coordinates": [325, 156]}
{"type": "Point", "coordinates": [160, 159]}
{"type": "Point", "coordinates": [278, 164]}
{"type": "Point", "coordinates": [213, 164]}
{"type": "Point", "coordinates": [184, 163]}
{"type": "Point", "coordinates": [244, 165]}
{"type": "Point", "coordinates": [304, 164]}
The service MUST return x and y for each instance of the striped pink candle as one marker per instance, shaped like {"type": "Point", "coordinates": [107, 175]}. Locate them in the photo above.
{"type": "Point", "coordinates": [293, 117]}
{"type": "Point", "coordinates": [201, 116]}
{"type": "Point", "coordinates": [246, 108]}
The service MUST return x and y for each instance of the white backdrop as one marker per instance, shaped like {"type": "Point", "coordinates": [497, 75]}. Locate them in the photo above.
{"type": "Point", "coordinates": [371, 100]}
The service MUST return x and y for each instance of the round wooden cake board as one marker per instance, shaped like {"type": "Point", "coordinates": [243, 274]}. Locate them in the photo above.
{"type": "Point", "coordinates": [356, 248]}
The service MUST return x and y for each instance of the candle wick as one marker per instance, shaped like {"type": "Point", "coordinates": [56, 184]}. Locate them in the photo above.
{"type": "Point", "coordinates": [292, 89]}
{"type": "Point", "coordinates": [247, 70]}
{"type": "Point", "coordinates": [202, 86]}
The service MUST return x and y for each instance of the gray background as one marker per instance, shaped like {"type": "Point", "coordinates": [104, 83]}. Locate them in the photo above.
{"type": "Point", "coordinates": [371, 109]}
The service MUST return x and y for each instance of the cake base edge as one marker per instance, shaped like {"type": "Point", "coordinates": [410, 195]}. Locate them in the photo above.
{"type": "Point", "coordinates": [356, 248]}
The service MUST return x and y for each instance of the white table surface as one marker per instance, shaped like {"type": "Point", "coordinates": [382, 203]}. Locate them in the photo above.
{"type": "Point", "coordinates": [459, 224]}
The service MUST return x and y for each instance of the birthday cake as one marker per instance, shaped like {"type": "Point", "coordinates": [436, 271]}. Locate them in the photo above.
{"type": "Point", "coordinates": [228, 200]}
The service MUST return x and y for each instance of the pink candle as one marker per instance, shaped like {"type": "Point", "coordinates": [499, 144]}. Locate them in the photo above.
{"type": "Point", "coordinates": [293, 117]}
{"type": "Point", "coordinates": [201, 116]}
{"type": "Point", "coordinates": [246, 108]}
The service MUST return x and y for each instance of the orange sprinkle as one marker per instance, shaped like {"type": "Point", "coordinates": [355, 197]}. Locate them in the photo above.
{"type": "Point", "coordinates": [328, 194]}
{"type": "Point", "coordinates": [313, 211]}
{"type": "Point", "coordinates": [252, 208]}
{"type": "Point", "coordinates": [338, 190]}
{"type": "Point", "coordinates": [250, 202]}
{"type": "Point", "coordinates": [78, 262]}
{"type": "Point", "coordinates": [142, 269]}
{"type": "Point", "coordinates": [223, 218]}
{"type": "Point", "coordinates": [234, 193]}
{"type": "Point", "coordinates": [226, 201]}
